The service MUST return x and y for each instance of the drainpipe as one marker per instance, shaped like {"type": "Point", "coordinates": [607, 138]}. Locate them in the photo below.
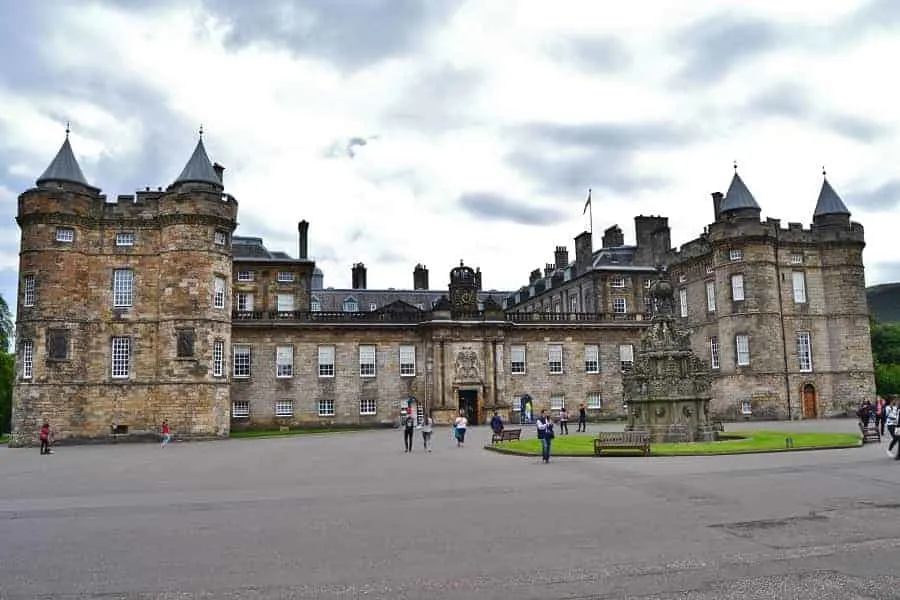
{"type": "Point", "coordinates": [784, 348]}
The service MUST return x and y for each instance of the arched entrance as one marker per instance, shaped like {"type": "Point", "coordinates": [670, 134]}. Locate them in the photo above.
{"type": "Point", "coordinates": [809, 401]}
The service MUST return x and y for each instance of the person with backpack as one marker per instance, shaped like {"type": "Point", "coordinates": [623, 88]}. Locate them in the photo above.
{"type": "Point", "coordinates": [545, 434]}
{"type": "Point", "coordinates": [409, 426]}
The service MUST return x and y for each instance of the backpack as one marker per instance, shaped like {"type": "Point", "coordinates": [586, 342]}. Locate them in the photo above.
{"type": "Point", "coordinates": [548, 433]}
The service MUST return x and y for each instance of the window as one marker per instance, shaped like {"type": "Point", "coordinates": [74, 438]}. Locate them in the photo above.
{"type": "Point", "coordinates": [219, 292]}
{"type": "Point", "coordinates": [284, 361]}
{"type": "Point", "coordinates": [517, 360]}
{"type": "Point", "coordinates": [315, 305]}
{"type": "Point", "coordinates": [735, 255]}
{"type": "Point", "coordinates": [617, 282]}
{"type": "Point", "coordinates": [58, 344]}
{"type": "Point", "coordinates": [284, 408]}
{"type": "Point", "coordinates": [421, 306]}
{"type": "Point", "coordinates": [245, 275]}
{"type": "Point", "coordinates": [284, 302]}
{"type": "Point", "coordinates": [799, 281]}
{"type": "Point", "coordinates": [594, 401]}
{"type": "Point", "coordinates": [241, 360]}
{"type": "Point", "coordinates": [682, 301]}
{"type": "Point", "coordinates": [709, 269]}
{"type": "Point", "coordinates": [714, 352]}
{"type": "Point", "coordinates": [555, 359]}
{"type": "Point", "coordinates": [123, 287]}
{"type": "Point", "coordinates": [28, 290]}
{"type": "Point", "coordinates": [626, 357]}
{"type": "Point", "coordinates": [557, 401]}
{"type": "Point", "coordinates": [682, 278]}
{"type": "Point", "coordinates": [367, 361]}
{"type": "Point", "coordinates": [244, 302]}
{"type": "Point", "coordinates": [65, 234]}
{"type": "Point", "coordinates": [407, 361]}
{"type": "Point", "coordinates": [27, 359]}
{"type": "Point", "coordinates": [125, 238]}
{"type": "Point", "coordinates": [648, 283]}
{"type": "Point", "coordinates": [516, 404]}
{"type": "Point", "coordinates": [573, 305]}
{"type": "Point", "coordinates": [804, 352]}
{"type": "Point", "coordinates": [742, 344]}
{"type": "Point", "coordinates": [220, 237]}
{"type": "Point", "coordinates": [619, 305]}
{"type": "Point", "coordinates": [326, 408]}
{"type": "Point", "coordinates": [121, 357]}
{"type": "Point", "coordinates": [218, 358]}
{"type": "Point", "coordinates": [592, 358]}
{"type": "Point", "coordinates": [737, 287]}
{"type": "Point", "coordinates": [367, 407]}
{"type": "Point", "coordinates": [557, 307]}
{"type": "Point", "coordinates": [184, 343]}
{"type": "Point", "coordinates": [796, 258]}
{"type": "Point", "coordinates": [350, 305]}
{"type": "Point", "coordinates": [711, 296]}
{"type": "Point", "coordinates": [240, 409]}
{"type": "Point", "coordinates": [285, 276]}
{"type": "Point", "coordinates": [326, 361]}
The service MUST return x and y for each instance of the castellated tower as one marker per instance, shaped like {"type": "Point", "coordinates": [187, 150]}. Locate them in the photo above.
{"type": "Point", "coordinates": [123, 312]}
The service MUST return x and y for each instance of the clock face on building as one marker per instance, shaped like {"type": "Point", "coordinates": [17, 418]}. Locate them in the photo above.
{"type": "Point", "coordinates": [464, 297]}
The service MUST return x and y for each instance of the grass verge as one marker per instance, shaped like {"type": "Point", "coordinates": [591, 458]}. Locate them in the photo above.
{"type": "Point", "coordinates": [4, 439]}
{"type": "Point", "coordinates": [254, 433]}
{"type": "Point", "coordinates": [749, 442]}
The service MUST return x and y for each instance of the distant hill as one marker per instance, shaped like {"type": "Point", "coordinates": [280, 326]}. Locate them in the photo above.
{"type": "Point", "coordinates": [884, 302]}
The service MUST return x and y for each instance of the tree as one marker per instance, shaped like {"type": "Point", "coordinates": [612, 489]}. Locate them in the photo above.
{"type": "Point", "coordinates": [6, 326]}
{"type": "Point", "coordinates": [886, 352]}
{"type": "Point", "coordinates": [7, 368]}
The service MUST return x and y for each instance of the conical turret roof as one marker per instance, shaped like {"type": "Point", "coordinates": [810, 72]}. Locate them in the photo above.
{"type": "Point", "coordinates": [738, 196]}
{"type": "Point", "coordinates": [198, 168]}
{"type": "Point", "coordinates": [829, 202]}
{"type": "Point", "coordinates": [64, 167]}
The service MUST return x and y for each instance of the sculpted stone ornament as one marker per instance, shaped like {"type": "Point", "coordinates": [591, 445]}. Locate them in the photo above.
{"type": "Point", "coordinates": [467, 365]}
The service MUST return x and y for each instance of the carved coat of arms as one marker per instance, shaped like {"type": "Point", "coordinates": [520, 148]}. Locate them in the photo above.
{"type": "Point", "coordinates": [466, 365]}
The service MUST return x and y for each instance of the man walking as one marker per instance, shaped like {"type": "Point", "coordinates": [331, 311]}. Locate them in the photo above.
{"type": "Point", "coordinates": [409, 427]}
{"type": "Point", "coordinates": [892, 419]}
{"type": "Point", "coordinates": [545, 434]}
{"type": "Point", "coordinates": [45, 438]}
{"type": "Point", "coordinates": [582, 418]}
{"type": "Point", "coordinates": [563, 421]}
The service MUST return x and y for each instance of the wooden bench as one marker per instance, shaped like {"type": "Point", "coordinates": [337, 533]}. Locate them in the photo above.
{"type": "Point", "coordinates": [507, 435]}
{"type": "Point", "coordinates": [622, 440]}
{"type": "Point", "coordinates": [870, 433]}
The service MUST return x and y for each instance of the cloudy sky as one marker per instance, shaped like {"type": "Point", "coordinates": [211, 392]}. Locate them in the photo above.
{"type": "Point", "coordinates": [432, 131]}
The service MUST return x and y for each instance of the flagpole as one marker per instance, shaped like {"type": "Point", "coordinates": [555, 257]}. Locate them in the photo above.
{"type": "Point", "coordinates": [591, 212]}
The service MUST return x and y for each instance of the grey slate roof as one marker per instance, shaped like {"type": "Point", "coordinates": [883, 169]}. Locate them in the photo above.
{"type": "Point", "coordinates": [829, 202]}
{"type": "Point", "coordinates": [64, 167]}
{"type": "Point", "coordinates": [738, 196]}
{"type": "Point", "coordinates": [198, 168]}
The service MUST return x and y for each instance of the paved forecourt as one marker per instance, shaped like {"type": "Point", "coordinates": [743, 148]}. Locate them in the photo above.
{"type": "Point", "coordinates": [351, 515]}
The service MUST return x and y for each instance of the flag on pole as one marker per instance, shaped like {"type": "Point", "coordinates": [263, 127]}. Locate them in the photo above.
{"type": "Point", "coordinates": [587, 203]}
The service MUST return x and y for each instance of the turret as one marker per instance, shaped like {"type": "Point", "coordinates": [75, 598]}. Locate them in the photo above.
{"type": "Point", "coordinates": [831, 212]}
{"type": "Point", "coordinates": [739, 203]}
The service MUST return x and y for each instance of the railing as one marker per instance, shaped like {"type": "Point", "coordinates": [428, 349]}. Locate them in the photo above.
{"type": "Point", "coordinates": [530, 317]}
{"type": "Point", "coordinates": [305, 316]}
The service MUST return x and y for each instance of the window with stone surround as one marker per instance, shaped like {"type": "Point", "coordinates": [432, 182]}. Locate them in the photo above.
{"type": "Point", "coordinates": [737, 287]}
{"type": "Point", "coordinates": [246, 276]}
{"type": "Point", "coordinates": [804, 352]}
{"type": "Point", "coordinates": [626, 357]}
{"type": "Point", "coordinates": [517, 360]}
{"type": "Point", "coordinates": [326, 361]}
{"type": "Point", "coordinates": [244, 302]}
{"type": "Point", "coordinates": [735, 255]}
{"type": "Point", "coordinates": [516, 404]}
{"type": "Point", "coordinates": [617, 282]}
{"type": "Point", "coordinates": [220, 238]}
{"type": "Point", "coordinates": [58, 344]}
{"type": "Point", "coordinates": [714, 352]}
{"type": "Point", "coordinates": [620, 305]}
{"type": "Point", "coordinates": [555, 359]}
{"type": "Point", "coordinates": [594, 401]}
{"type": "Point", "coordinates": [682, 302]}
{"type": "Point", "coordinates": [219, 292]}
{"type": "Point", "coordinates": [350, 304]}
{"type": "Point", "coordinates": [219, 358]}
{"type": "Point", "coordinates": [326, 408]}
{"type": "Point", "coordinates": [407, 361]}
{"type": "Point", "coordinates": [742, 347]}
{"type": "Point", "coordinates": [27, 359]}
{"type": "Point", "coordinates": [123, 288]}
{"type": "Point", "coordinates": [314, 304]}
{"type": "Point", "coordinates": [184, 343]}
{"type": "Point", "coordinates": [367, 406]}
{"type": "Point", "coordinates": [709, 269]}
{"type": "Point", "coordinates": [285, 276]}
{"type": "Point", "coordinates": [65, 234]}
{"type": "Point", "coordinates": [284, 361]}
{"type": "Point", "coordinates": [284, 302]}
{"type": "Point", "coordinates": [240, 358]}
{"type": "Point", "coordinates": [120, 367]}
{"type": "Point", "coordinates": [557, 401]}
{"type": "Point", "coordinates": [573, 304]}
{"type": "Point", "coordinates": [284, 408]}
{"type": "Point", "coordinates": [367, 360]}
{"type": "Point", "coordinates": [240, 409]}
{"type": "Point", "coordinates": [28, 290]}
{"type": "Point", "coordinates": [798, 279]}
{"type": "Point", "coordinates": [125, 238]}
{"type": "Point", "coordinates": [796, 258]}
{"type": "Point", "coordinates": [591, 358]}
{"type": "Point", "coordinates": [710, 296]}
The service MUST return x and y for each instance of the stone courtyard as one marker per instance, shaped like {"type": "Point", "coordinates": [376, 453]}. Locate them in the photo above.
{"type": "Point", "coordinates": [352, 516]}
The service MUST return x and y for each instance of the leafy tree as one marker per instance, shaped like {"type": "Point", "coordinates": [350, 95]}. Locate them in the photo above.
{"type": "Point", "coordinates": [6, 326]}
{"type": "Point", "coordinates": [7, 362]}
{"type": "Point", "coordinates": [886, 352]}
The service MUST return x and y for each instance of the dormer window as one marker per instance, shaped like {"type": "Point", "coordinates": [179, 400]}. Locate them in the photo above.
{"type": "Point", "coordinates": [350, 305]}
{"type": "Point", "coordinates": [65, 234]}
{"type": "Point", "coordinates": [125, 238]}
{"type": "Point", "coordinates": [315, 305]}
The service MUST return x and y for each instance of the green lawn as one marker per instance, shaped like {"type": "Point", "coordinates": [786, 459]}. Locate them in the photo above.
{"type": "Point", "coordinates": [253, 433]}
{"type": "Point", "coordinates": [749, 442]}
{"type": "Point", "coordinates": [4, 439]}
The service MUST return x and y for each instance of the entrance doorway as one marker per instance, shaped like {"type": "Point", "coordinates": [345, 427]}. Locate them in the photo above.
{"type": "Point", "coordinates": [809, 401]}
{"type": "Point", "coordinates": [468, 405]}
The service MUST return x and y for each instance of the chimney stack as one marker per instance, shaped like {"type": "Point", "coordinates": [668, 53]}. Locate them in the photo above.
{"type": "Point", "coordinates": [561, 257]}
{"type": "Point", "coordinates": [548, 269]}
{"type": "Point", "coordinates": [613, 237]}
{"type": "Point", "coordinates": [303, 235]}
{"type": "Point", "coordinates": [358, 275]}
{"type": "Point", "coordinates": [534, 276]}
{"type": "Point", "coordinates": [220, 172]}
{"type": "Point", "coordinates": [717, 205]}
{"type": "Point", "coordinates": [584, 252]}
{"type": "Point", "coordinates": [478, 278]}
{"type": "Point", "coordinates": [420, 277]}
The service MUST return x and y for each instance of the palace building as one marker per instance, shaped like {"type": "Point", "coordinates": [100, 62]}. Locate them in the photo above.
{"type": "Point", "coordinates": [149, 308]}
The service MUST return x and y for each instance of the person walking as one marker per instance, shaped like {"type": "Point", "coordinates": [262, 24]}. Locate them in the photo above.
{"type": "Point", "coordinates": [582, 418]}
{"type": "Point", "coordinates": [427, 429]}
{"type": "Point", "coordinates": [892, 419]}
{"type": "Point", "coordinates": [563, 421]}
{"type": "Point", "coordinates": [545, 434]}
{"type": "Point", "coordinates": [166, 433]}
{"type": "Point", "coordinates": [880, 405]}
{"type": "Point", "coordinates": [461, 424]}
{"type": "Point", "coordinates": [409, 427]}
{"type": "Point", "coordinates": [44, 436]}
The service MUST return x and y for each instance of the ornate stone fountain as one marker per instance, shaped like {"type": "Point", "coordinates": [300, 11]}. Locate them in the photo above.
{"type": "Point", "coordinates": [668, 390]}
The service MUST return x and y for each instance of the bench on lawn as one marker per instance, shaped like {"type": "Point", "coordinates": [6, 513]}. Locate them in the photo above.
{"type": "Point", "coordinates": [870, 433]}
{"type": "Point", "coordinates": [622, 440]}
{"type": "Point", "coordinates": [507, 435]}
